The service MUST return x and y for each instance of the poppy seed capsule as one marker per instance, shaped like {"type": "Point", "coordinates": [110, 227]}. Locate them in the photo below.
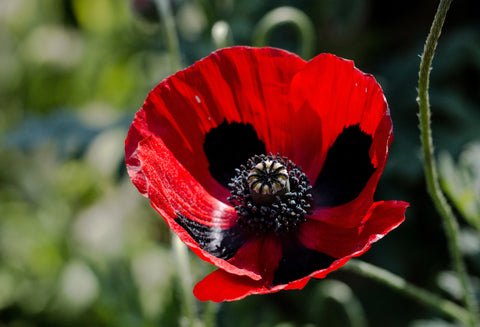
{"type": "Point", "coordinates": [270, 194]}
{"type": "Point", "coordinates": [267, 181]}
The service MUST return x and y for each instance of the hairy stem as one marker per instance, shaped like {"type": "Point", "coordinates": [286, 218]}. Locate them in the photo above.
{"type": "Point", "coordinates": [431, 175]}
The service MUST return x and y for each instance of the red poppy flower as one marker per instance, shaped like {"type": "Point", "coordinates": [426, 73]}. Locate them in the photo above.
{"type": "Point", "coordinates": [265, 165]}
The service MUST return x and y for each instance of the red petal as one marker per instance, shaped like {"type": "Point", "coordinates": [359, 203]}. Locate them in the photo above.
{"type": "Point", "coordinates": [343, 242]}
{"type": "Point", "coordinates": [238, 84]}
{"type": "Point", "coordinates": [341, 96]}
{"type": "Point", "coordinates": [221, 286]}
{"type": "Point", "coordinates": [260, 255]}
{"type": "Point", "coordinates": [350, 214]}
{"type": "Point", "coordinates": [173, 191]}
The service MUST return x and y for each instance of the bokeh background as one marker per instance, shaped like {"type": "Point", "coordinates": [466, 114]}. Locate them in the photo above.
{"type": "Point", "coordinates": [80, 247]}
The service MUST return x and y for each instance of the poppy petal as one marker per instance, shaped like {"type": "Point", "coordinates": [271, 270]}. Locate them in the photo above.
{"type": "Point", "coordinates": [260, 255]}
{"type": "Point", "coordinates": [221, 243]}
{"type": "Point", "coordinates": [346, 170]}
{"type": "Point", "coordinates": [239, 85]}
{"type": "Point", "coordinates": [351, 107]}
{"type": "Point", "coordinates": [221, 286]}
{"type": "Point", "coordinates": [299, 261]}
{"type": "Point", "coordinates": [345, 242]}
{"type": "Point", "coordinates": [351, 213]}
{"type": "Point", "coordinates": [228, 146]}
{"type": "Point", "coordinates": [204, 223]}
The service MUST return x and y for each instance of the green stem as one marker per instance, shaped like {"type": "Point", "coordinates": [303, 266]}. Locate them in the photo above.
{"type": "Point", "coordinates": [287, 15]}
{"type": "Point", "coordinates": [400, 285]}
{"type": "Point", "coordinates": [210, 314]}
{"type": "Point", "coordinates": [449, 221]}
{"type": "Point", "coordinates": [186, 284]}
{"type": "Point", "coordinates": [168, 21]}
{"type": "Point", "coordinates": [180, 250]}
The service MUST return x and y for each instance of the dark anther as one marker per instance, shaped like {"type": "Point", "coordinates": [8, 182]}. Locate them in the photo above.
{"type": "Point", "coordinates": [270, 194]}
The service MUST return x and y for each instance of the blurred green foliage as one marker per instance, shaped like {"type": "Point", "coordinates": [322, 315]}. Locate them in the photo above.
{"type": "Point", "coordinates": [78, 244]}
{"type": "Point", "coordinates": [462, 182]}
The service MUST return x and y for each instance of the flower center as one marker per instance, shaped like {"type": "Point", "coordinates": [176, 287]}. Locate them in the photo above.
{"type": "Point", "coordinates": [267, 180]}
{"type": "Point", "coordinates": [270, 194]}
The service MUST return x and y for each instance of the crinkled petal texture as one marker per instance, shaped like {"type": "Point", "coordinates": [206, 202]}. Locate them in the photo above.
{"type": "Point", "coordinates": [197, 126]}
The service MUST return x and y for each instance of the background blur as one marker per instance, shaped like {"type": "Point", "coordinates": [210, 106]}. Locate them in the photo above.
{"type": "Point", "coordinates": [80, 247]}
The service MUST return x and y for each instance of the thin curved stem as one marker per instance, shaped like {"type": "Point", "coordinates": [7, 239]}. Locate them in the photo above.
{"type": "Point", "coordinates": [431, 175]}
{"type": "Point", "coordinates": [287, 15]}
{"type": "Point", "coordinates": [400, 285]}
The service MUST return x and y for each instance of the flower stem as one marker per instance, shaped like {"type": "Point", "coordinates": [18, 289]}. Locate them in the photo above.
{"type": "Point", "coordinates": [210, 313]}
{"type": "Point", "coordinates": [431, 175]}
{"type": "Point", "coordinates": [179, 249]}
{"type": "Point", "coordinates": [168, 21]}
{"type": "Point", "coordinates": [402, 286]}
{"type": "Point", "coordinates": [186, 284]}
